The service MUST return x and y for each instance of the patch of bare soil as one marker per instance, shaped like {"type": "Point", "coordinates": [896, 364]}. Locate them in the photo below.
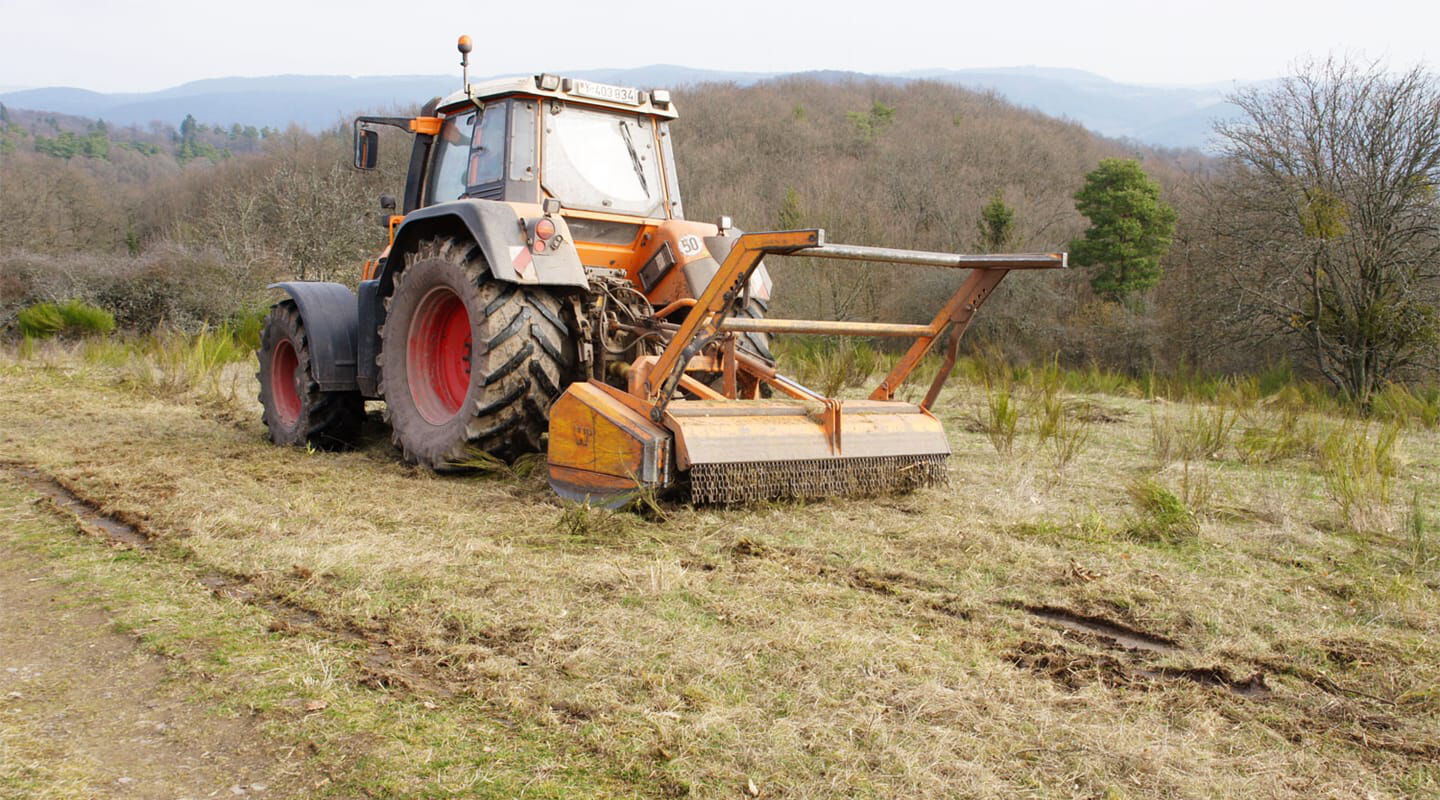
{"type": "Point", "coordinates": [88, 713]}
{"type": "Point", "coordinates": [1135, 646]}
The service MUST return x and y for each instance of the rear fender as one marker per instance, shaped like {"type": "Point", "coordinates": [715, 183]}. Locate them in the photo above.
{"type": "Point", "coordinates": [719, 247]}
{"type": "Point", "coordinates": [330, 314]}
{"type": "Point", "coordinates": [502, 232]}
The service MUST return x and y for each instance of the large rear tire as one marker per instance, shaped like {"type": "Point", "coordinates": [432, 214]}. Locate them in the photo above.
{"type": "Point", "coordinates": [296, 411]}
{"type": "Point", "coordinates": [468, 362]}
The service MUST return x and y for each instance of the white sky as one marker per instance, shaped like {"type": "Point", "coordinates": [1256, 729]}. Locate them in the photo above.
{"type": "Point", "coordinates": [143, 45]}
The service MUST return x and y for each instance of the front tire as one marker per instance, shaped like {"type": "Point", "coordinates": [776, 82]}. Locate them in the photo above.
{"type": "Point", "coordinates": [468, 362]}
{"type": "Point", "coordinates": [296, 411]}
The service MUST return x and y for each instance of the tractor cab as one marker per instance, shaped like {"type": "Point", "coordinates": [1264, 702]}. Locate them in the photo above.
{"type": "Point", "coordinates": [595, 147]}
{"type": "Point", "coordinates": [600, 154]}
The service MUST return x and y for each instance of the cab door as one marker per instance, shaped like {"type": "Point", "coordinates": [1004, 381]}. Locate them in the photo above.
{"type": "Point", "coordinates": [486, 154]}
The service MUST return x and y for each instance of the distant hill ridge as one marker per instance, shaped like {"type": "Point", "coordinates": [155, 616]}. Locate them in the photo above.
{"type": "Point", "coordinates": [1164, 116]}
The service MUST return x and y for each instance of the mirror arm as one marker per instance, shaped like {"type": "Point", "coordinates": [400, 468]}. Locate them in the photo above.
{"type": "Point", "coordinates": [402, 123]}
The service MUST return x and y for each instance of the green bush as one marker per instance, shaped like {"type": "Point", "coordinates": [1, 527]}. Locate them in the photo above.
{"type": "Point", "coordinates": [74, 318]}
{"type": "Point", "coordinates": [247, 325]}
{"type": "Point", "coordinates": [84, 319]}
{"type": "Point", "coordinates": [40, 321]}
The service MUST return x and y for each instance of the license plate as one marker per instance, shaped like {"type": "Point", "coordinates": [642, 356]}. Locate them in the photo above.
{"type": "Point", "coordinates": [604, 91]}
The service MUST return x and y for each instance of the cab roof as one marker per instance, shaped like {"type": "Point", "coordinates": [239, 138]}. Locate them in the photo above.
{"type": "Point", "coordinates": [655, 102]}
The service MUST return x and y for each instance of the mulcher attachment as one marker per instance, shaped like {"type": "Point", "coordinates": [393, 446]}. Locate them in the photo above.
{"type": "Point", "coordinates": [729, 446]}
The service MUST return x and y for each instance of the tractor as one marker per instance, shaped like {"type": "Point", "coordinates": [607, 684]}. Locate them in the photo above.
{"type": "Point", "coordinates": [543, 291]}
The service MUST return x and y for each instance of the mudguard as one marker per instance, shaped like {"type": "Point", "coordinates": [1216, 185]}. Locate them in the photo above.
{"type": "Point", "coordinates": [330, 314]}
{"type": "Point", "coordinates": [367, 344]}
{"type": "Point", "coordinates": [502, 236]}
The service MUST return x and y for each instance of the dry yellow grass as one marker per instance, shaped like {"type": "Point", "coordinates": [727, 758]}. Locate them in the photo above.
{"type": "Point", "coordinates": [849, 648]}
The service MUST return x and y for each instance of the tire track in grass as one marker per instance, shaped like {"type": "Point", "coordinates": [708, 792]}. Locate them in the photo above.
{"type": "Point", "coordinates": [383, 664]}
{"type": "Point", "coordinates": [1127, 664]}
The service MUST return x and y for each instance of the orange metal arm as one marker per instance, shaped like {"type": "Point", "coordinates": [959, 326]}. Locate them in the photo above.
{"type": "Point", "coordinates": [957, 313]}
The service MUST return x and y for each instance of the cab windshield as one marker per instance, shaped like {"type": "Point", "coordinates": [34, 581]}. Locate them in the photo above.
{"type": "Point", "coordinates": [603, 161]}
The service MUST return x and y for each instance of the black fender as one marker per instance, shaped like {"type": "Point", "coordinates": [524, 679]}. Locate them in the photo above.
{"type": "Point", "coordinates": [502, 236]}
{"type": "Point", "coordinates": [330, 314]}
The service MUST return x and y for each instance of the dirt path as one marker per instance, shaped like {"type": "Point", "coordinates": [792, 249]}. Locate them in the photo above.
{"type": "Point", "coordinates": [85, 712]}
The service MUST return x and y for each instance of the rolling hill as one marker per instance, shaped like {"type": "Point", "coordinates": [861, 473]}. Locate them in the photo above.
{"type": "Point", "coordinates": [1163, 116]}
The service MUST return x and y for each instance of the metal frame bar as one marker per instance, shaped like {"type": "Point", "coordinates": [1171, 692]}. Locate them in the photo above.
{"type": "Point", "coordinates": [817, 326]}
{"type": "Point", "coordinates": [851, 252]}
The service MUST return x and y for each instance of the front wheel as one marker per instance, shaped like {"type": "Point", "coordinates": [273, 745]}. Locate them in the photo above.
{"type": "Point", "coordinates": [467, 362]}
{"type": "Point", "coordinates": [296, 411]}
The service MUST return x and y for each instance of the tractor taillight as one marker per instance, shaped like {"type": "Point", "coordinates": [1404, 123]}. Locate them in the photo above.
{"type": "Point", "coordinates": [544, 229]}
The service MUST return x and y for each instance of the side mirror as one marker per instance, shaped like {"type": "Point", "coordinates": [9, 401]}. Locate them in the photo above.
{"type": "Point", "coordinates": [367, 148]}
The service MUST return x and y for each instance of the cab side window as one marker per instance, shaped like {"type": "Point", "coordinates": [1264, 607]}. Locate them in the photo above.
{"type": "Point", "coordinates": [487, 157]}
{"type": "Point", "coordinates": [447, 178]}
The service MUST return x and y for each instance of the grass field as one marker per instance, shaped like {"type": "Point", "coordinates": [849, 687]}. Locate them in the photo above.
{"type": "Point", "coordinates": [1114, 598]}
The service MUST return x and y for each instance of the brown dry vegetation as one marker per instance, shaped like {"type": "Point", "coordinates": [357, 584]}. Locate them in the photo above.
{"type": "Point", "coordinates": [1196, 619]}
{"type": "Point", "coordinates": [802, 153]}
{"type": "Point", "coordinates": [872, 162]}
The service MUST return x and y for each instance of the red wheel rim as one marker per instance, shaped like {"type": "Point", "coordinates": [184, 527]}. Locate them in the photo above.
{"type": "Point", "coordinates": [438, 355]}
{"type": "Point", "coordinates": [283, 365]}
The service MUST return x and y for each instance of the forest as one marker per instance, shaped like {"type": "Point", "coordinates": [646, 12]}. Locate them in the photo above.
{"type": "Point", "coordinates": [1266, 262]}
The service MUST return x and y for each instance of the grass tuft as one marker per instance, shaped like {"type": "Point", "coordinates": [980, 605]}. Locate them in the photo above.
{"type": "Point", "coordinates": [178, 363]}
{"type": "Point", "coordinates": [1417, 535]}
{"type": "Point", "coordinates": [829, 366]}
{"type": "Point", "coordinates": [1058, 427]}
{"type": "Point", "coordinates": [1290, 433]}
{"type": "Point", "coordinates": [479, 462]}
{"type": "Point", "coordinates": [1164, 518]}
{"type": "Point", "coordinates": [1359, 472]}
{"type": "Point", "coordinates": [1200, 434]}
{"type": "Point", "coordinates": [588, 524]}
{"type": "Point", "coordinates": [1417, 406]}
{"type": "Point", "coordinates": [1002, 419]}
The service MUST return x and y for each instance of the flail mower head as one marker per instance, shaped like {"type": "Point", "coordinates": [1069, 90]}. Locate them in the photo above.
{"type": "Point", "coordinates": [730, 445]}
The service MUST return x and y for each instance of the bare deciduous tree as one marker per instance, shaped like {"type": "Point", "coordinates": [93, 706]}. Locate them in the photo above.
{"type": "Point", "coordinates": [1326, 218]}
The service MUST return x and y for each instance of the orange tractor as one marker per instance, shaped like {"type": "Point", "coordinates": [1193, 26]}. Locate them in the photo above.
{"type": "Point", "coordinates": [543, 290]}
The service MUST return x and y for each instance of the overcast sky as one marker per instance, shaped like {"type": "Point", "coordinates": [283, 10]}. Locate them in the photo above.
{"type": "Point", "coordinates": [145, 45]}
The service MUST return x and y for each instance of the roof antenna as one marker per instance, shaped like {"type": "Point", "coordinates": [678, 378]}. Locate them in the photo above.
{"type": "Point", "coordinates": [464, 47]}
